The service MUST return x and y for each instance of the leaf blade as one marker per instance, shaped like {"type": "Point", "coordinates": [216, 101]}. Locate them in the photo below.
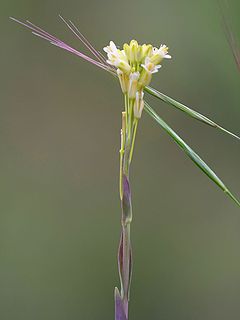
{"type": "Point", "coordinates": [189, 152]}
{"type": "Point", "coordinates": [190, 112]}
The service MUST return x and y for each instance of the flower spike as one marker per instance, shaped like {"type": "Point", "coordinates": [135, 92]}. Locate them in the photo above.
{"type": "Point", "coordinates": [135, 66]}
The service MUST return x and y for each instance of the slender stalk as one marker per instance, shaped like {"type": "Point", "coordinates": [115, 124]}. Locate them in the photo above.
{"type": "Point", "coordinates": [123, 138]}
{"type": "Point", "coordinates": [135, 125]}
{"type": "Point", "coordinates": [128, 134]}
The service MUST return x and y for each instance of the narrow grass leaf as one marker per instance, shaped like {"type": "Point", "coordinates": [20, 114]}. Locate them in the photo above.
{"type": "Point", "coordinates": [187, 110]}
{"type": "Point", "coordinates": [189, 152]}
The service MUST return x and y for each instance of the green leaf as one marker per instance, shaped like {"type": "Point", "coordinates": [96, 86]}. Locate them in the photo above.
{"type": "Point", "coordinates": [189, 152]}
{"type": "Point", "coordinates": [187, 110]}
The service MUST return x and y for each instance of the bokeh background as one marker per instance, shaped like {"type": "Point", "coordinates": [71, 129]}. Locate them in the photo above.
{"type": "Point", "coordinates": [59, 142]}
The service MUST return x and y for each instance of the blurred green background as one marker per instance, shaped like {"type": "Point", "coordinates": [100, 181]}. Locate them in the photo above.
{"type": "Point", "coordinates": [59, 142]}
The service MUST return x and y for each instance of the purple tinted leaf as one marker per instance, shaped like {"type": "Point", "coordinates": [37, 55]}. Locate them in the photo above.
{"type": "Point", "coordinates": [120, 258]}
{"type": "Point", "coordinates": [130, 271]}
{"type": "Point", "coordinates": [120, 265]}
{"type": "Point", "coordinates": [126, 187]}
{"type": "Point", "coordinates": [126, 201]}
{"type": "Point", "coordinates": [119, 307]}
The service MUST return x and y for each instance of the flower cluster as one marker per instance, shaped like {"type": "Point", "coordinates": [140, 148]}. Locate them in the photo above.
{"type": "Point", "coordinates": [135, 65]}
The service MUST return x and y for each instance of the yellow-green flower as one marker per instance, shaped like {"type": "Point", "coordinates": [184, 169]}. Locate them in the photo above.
{"type": "Point", "coordinates": [135, 65]}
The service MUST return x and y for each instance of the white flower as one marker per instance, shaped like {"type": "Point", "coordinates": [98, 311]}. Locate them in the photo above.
{"type": "Point", "coordinates": [159, 54]}
{"type": "Point", "coordinates": [149, 66]}
{"type": "Point", "coordinates": [163, 51]}
{"type": "Point", "coordinates": [148, 69]}
{"type": "Point", "coordinates": [117, 57]}
{"type": "Point", "coordinates": [111, 48]}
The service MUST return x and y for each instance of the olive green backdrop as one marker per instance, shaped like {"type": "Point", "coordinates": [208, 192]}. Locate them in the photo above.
{"type": "Point", "coordinates": [59, 140]}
